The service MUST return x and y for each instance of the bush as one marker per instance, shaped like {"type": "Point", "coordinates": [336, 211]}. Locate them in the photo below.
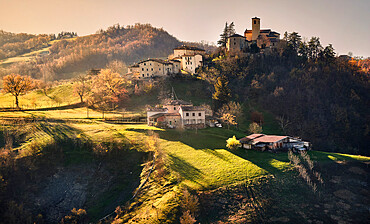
{"type": "Point", "coordinates": [232, 143]}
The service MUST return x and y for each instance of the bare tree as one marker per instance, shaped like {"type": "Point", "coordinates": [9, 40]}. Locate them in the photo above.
{"type": "Point", "coordinates": [284, 122]}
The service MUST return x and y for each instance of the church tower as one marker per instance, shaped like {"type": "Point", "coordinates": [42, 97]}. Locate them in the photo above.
{"type": "Point", "coordinates": [255, 28]}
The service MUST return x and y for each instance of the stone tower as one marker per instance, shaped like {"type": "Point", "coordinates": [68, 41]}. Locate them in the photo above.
{"type": "Point", "coordinates": [255, 28]}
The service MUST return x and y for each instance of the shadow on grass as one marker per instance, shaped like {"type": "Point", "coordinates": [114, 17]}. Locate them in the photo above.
{"type": "Point", "coordinates": [209, 138]}
{"type": "Point", "coordinates": [70, 106]}
{"type": "Point", "coordinates": [262, 159]}
{"type": "Point", "coordinates": [330, 156]}
{"type": "Point", "coordinates": [185, 169]}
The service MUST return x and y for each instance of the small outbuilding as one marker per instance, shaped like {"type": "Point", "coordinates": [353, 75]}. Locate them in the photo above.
{"type": "Point", "coordinates": [264, 142]}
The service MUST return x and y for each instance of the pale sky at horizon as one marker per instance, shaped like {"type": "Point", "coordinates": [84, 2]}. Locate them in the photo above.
{"type": "Point", "coordinates": [343, 23]}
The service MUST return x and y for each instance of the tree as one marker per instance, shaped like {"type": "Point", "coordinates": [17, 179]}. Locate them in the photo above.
{"type": "Point", "coordinates": [255, 128]}
{"type": "Point", "coordinates": [82, 86]}
{"type": "Point", "coordinates": [232, 108]}
{"type": "Point", "coordinates": [229, 119]}
{"type": "Point", "coordinates": [222, 92]}
{"type": "Point", "coordinates": [17, 85]}
{"type": "Point", "coordinates": [314, 48]}
{"type": "Point", "coordinates": [328, 53]}
{"type": "Point", "coordinates": [284, 122]}
{"type": "Point", "coordinates": [232, 143]}
{"type": "Point", "coordinates": [108, 90]}
{"type": "Point", "coordinates": [230, 29]}
{"type": "Point", "coordinates": [223, 36]}
{"type": "Point", "coordinates": [294, 40]}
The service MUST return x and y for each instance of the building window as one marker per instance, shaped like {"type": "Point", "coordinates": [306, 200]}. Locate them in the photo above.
{"type": "Point", "coordinates": [144, 63]}
{"type": "Point", "coordinates": [255, 21]}
{"type": "Point", "coordinates": [187, 114]}
{"type": "Point", "coordinates": [143, 75]}
{"type": "Point", "coordinates": [142, 69]}
{"type": "Point", "coordinates": [150, 64]}
{"type": "Point", "coordinates": [152, 69]}
{"type": "Point", "coordinates": [159, 69]}
{"type": "Point", "coordinates": [193, 114]}
{"type": "Point", "coordinates": [174, 108]}
{"type": "Point", "coordinates": [200, 114]}
{"type": "Point", "coordinates": [147, 74]}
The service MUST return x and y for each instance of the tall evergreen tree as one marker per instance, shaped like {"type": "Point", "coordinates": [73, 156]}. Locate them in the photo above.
{"type": "Point", "coordinates": [223, 36]}
{"type": "Point", "coordinates": [222, 93]}
{"type": "Point", "coordinates": [231, 29]}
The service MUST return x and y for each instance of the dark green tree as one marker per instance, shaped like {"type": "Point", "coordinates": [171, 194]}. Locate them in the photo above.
{"type": "Point", "coordinates": [314, 48]}
{"type": "Point", "coordinates": [294, 40]}
{"type": "Point", "coordinates": [231, 29]}
{"type": "Point", "coordinates": [222, 93]}
{"type": "Point", "coordinates": [224, 36]}
{"type": "Point", "coordinates": [328, 53]}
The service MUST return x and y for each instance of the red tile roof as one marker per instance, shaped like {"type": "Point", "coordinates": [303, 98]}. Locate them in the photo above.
{"type": "Point", "coordinates": [269, 138]}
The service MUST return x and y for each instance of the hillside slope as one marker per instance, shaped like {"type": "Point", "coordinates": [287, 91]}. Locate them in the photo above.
{"type": "Point", "coordinates": [71, 56]}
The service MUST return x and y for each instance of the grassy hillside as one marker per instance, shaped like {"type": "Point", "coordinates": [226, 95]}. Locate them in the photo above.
{"type": "Point", "coordinates": [197, 160]}
{"type": "Point", "coordinates": [60, 95]}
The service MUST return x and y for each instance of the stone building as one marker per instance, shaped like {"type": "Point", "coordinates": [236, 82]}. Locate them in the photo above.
{"type": "Point", "coordinates": [264, 38]}
{"type": "Point", "coordinates": [175, 114]}
{"type": "Point", "coordinates": [184, 58]}
{"type": "Point", "coordinates": [154, 68]}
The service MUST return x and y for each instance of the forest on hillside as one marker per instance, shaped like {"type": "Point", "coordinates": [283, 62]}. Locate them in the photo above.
{"type": "Point", "coordinates": [12, 44]}
{"type": "Point", "coordinates": [126, 44]}
{"type": "Point", "coordinates": [311, 92]}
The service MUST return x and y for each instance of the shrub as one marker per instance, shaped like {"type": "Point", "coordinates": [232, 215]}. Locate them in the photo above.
{"type": "Point", "coordinates": [232, 143]}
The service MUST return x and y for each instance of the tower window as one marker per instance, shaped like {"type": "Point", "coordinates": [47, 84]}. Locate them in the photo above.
{"type": "Point", "coordinates": [255, 21]}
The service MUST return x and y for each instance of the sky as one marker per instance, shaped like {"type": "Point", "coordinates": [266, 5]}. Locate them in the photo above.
{"type": "Point", "coordinates": [343, 23]}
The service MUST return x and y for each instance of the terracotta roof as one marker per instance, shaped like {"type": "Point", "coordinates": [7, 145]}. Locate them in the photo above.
{"type": "Point", "coordinates": [192, 108]}
{"type": "Point", "coordinates": [164, 115]}
{"type": "Point", "coordinates": [157, 109]}
{"type": "Point", "coordinates": [269, 138]}
{"type": "Point", "coordinates": [185, 47]}
{"type": "Point", "coordinates": [250, 137]}
{"type": "Point", "coordinates": [157, 115]}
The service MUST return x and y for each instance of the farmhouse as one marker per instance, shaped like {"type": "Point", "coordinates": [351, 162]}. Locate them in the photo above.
{"type": "Point", "coordinates": [175, 114]}
{"type": "Point", "coordinates": [184, 58]}
{"type": "Point", "coordinates": [154, 68]}
{"type": "Point", "coordinates": [264, 142]}
{"type": "Point", "coordinates": [265, 38]}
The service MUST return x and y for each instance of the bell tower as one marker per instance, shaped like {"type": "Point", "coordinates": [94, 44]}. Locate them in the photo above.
{"type": "Point", "coordinates": [255, 28]}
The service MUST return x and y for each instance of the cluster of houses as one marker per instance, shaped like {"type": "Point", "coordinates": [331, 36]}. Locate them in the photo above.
{"type": "Point", "coordinates": [264, 142]}
{"type": "Point", "coordinates": [184, 58]}
{"type": "Point", "coordinates": [264, 38]}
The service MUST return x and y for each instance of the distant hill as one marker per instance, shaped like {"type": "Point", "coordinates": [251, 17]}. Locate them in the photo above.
{"type": "Point", "coordinates": [12, 44]}
{"type": "Point", "coordinates": [68, 57]}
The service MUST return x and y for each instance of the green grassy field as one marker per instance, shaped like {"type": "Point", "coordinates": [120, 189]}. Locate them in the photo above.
{"type": "Point", "coordinates": [203, 161]}
{"type": "Point", "coordinates": [57, 96]}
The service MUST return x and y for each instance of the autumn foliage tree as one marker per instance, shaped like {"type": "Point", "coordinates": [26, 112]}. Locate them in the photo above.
{"type": "Point", "coordinates": [17, 85]}
{"type": "Point", "coordinates": [108, 90]}
{"type": "Point", "coordinates": [82, 86]}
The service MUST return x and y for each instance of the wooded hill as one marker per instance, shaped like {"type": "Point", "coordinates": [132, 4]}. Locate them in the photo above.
{"type": "Point", "coordinates": [127, 44]}
{"type": "Point", "coordinates": [323, 99]}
